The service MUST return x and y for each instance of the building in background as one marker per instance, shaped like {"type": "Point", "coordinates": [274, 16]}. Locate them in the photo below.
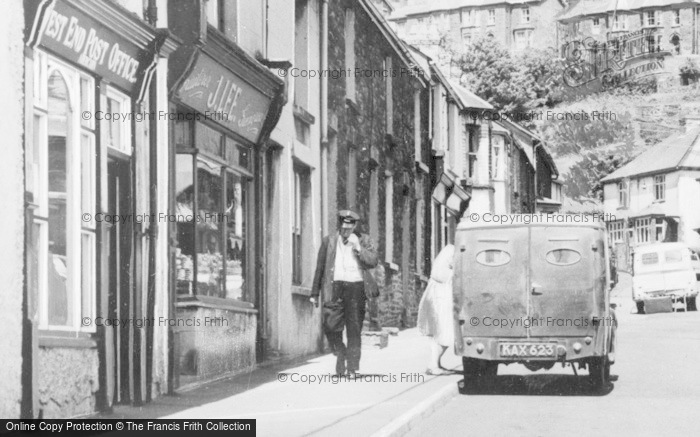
{"type": "Point", "coordinates": [438, 27]}
{"type": "Point", "coordinates": [646, 201]}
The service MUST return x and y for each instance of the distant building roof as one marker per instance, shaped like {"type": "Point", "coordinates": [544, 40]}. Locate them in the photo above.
{"type": "Point", "coordinates": [598, 7]}
{"type": "Point", "coordinates": [468, 99]}
{"type": "Point", "coordinates": [681, 150]}
{"type": "Point", "coordinates": [431, 6]}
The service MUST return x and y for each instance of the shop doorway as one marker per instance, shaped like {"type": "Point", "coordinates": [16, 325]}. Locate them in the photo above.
{"type": "Point", "coordinates": [122, 365]}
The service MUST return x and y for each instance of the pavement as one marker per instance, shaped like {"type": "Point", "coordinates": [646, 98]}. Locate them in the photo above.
{"type": "Point", "coordinates": [391, 396]}
{"type": "Point", "coordinates": [304, 399]}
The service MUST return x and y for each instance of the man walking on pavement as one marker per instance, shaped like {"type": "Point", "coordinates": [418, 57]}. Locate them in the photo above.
{"type": "Point", "coordinates": [343, 274]}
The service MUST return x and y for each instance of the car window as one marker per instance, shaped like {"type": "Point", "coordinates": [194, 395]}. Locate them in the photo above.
{"type": "Point", "coordinates": [650, 258]}
{"type": "Point", "coordinates": [673, 256]}
{"type": "Point", "coordinates": [563, 257]}
{"type": "Point", "coordinates": [493, 257]}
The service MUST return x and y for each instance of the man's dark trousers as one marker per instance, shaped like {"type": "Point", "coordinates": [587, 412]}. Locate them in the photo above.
{"type": "Point", "coordinates": [352, 295]}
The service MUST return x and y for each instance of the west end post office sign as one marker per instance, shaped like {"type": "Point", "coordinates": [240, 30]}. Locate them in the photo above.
{"type": "Point", "coordinates": [224, 97]}
{"type": "Point", "coordinates": [78, 37]}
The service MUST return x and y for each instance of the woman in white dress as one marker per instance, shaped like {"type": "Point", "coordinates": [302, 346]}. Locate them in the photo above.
{"type": "Point", "coordinates": [435, 310]}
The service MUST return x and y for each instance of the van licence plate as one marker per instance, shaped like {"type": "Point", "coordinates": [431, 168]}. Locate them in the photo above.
{"type": "Point", "coordinates": [527, 350]}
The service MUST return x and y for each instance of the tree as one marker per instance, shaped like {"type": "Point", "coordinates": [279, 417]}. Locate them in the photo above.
{"type": "Point", "coordinates": [583, 179]}
{"type": "Point", "coordinates": [511, 83]}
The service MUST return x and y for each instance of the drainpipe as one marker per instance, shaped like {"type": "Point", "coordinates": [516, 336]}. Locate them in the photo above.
{"type": "Point", "coordinates": [324, 117]}
{"type": "Point", "coordinates": [534, 153]}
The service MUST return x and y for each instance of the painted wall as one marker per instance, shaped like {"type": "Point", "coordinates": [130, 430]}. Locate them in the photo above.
{"type": "Point", "coordinates": [12, 218]}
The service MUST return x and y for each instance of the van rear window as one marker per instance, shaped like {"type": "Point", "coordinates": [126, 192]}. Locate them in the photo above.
{"type": "Point", "coordinates": [493, 257]}
{"type": "Point", "coordinates": [563, 257]}
{"type": "Point", "coordinates": [673, 256]}
{"type": "Point", "coordinates": [650, 258]}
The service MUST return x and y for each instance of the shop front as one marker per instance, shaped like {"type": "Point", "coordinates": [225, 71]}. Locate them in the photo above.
{"type": "Point", "coordinates": [224, 104]}
{"type": "Point", "coordinates": [88, 66]}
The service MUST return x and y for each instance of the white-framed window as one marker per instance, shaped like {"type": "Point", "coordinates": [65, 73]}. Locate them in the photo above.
{"type": "Point", "coordinates": [623, 194]}
{"type": "Point", "coordinates": [523, 38]}
{"type": "Point", "coordinates": [525, 15]}
{"type": "Point", "coordinates": [301, 52]}
{"type": "Point", "coordinates": [63, 178]}
{"type": "Point", "coordinates": [677, 17]}
{"type": "Point", "coordinates": [389, 98]}
{"type": "Point", "coordinates": [651, 18]}
{"type": "Point", "coordinates": [214, 13]}
{"type": "Point", "coordinates": [616, 231]}
{"type": "Point", "coordinates": [595, 28]}
{"type": "Point", "coordinates": [645, 230]}
{"type": "Point", "coordinates": [467, 17]}
{"type": "Point", "coordinates": [350, 52]}
{"type": "Point", "coordinates": [660, 187]}
{"type": "Point", "coordinates": [301, 225]}
{"type": "Point", "coordinates": [491, 17]}
{"type": "Point", "coordinates": [116, 125]}
{"type": "Point", "coordinates": [619, 22]}
{"type": "Point", "coordinates": [389, 216]}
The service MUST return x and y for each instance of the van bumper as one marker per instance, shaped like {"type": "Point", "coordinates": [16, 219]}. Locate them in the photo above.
{"type": "Point", "coordinates": [565, 349]}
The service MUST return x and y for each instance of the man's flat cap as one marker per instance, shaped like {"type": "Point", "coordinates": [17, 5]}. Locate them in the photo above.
{"type": "Point", "coordinates": [347, 216]}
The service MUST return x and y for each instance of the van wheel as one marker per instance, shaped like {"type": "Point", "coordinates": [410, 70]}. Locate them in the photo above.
{"type": "Point", "coordinates": [640, 307]}
{"type": "Point", "coordinates": [599, 372]}
{"type": "Point", "coordinates": [691, 302]}
{"type": "Point", "coordinates": [479, 374]}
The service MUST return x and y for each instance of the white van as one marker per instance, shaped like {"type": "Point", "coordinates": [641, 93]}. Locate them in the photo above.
{"type": "Point", "coordinates": [665, 269]}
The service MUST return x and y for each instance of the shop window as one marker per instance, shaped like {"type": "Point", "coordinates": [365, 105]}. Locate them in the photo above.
{"type": "Point", "coordinates": [212, 198]}
{"type": "Point", "coordinates": [61, 167]}
{"type": "Point", "coordinates": [116, 124]}
{"type": "Point", "coordinates": [300, 228]}
{"type": "Point", "coordinates": [660, 188]}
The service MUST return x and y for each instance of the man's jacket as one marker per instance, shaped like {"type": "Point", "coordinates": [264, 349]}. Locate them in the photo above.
{"type": "Point", "coordinates": [325, 266]}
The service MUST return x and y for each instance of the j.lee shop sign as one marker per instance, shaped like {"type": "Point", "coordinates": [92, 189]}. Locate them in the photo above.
{"type": "Point", "coordinates": [72, 34]}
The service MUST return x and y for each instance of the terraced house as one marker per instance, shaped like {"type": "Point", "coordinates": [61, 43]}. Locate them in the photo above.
{"type": "Point", "coordinates": [517, 24]}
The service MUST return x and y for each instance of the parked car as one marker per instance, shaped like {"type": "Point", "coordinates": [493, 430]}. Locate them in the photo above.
{"type": "Point", "coordinates": [534, 294]}
{"type": "Point", "coordinates": [665, 270]}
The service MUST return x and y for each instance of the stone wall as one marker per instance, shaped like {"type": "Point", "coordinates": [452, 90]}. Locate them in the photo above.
{"type": "Point", "coordinates": [68, 382]}
{"type": "Point", "coordinates": [361, 124]}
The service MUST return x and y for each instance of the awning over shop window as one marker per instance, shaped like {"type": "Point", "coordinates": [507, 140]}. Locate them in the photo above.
{"type": "Point", "coordinates": [451, 195]}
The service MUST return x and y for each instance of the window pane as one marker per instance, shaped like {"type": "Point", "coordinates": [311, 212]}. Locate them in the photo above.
{"type": "Point", "coordinates": [87, 176]}
{"type": "Point", "coordinates": [60, 300]}
{"type": "Point", "coordinates": [184, 209]}
{"type": "Point", "coordinates": [673, 256]}
{"type": "Point", "coordinates": [208, 229]}
{"type": "Point", "coordinates": [208, 140]}
{"type": "Point", "coordinates": [87, 263]}
{"type": "Point", "coordinates": [114, 138]}
{"type": "Point", "coordinates": [650, 258]}
{"type": "Point", "coordinates": [236, 255]}
{"type": "Point", "coordinates": [183, 133]}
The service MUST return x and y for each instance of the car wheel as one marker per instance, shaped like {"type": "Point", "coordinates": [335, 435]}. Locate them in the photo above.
{"type": "Point", "coordinates": [599, 372]}
{"type": "Point", "coordinates": [640, 307]}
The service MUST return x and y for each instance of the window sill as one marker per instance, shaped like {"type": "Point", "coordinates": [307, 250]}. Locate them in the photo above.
{"type": "Point", "coordinates": [659, 201]}
{"type": "Point", "coordinates": [303, 115]}
{"type": "Point", "coordinates": [74, 340]}
{"type": "Point", "coordinates": [299, 290]}
{"type": "Point", "coordinates": [391, 266]}
{"type": "Point", "coordinates": [216, 302]}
